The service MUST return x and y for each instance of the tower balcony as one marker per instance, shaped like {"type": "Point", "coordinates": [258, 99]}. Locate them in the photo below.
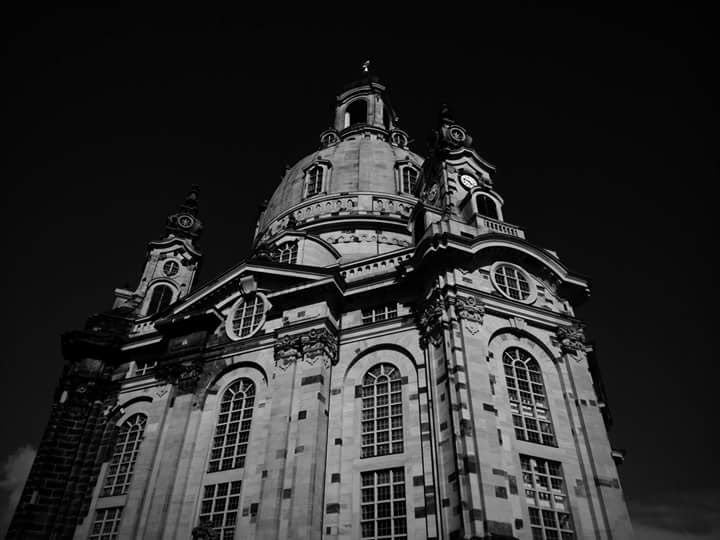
{"type": "Point", "coordinates": [486, 225]}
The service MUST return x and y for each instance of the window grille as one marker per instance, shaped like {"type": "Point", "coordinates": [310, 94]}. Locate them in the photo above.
{"type": "Point", "coordinates": [288, 252]}
{"type": "Point", "coordinates": [528, 401]}
{"type": "Point", "coordinates": [143, 368]}
{"type": "Point", "coordinates": [545, 494]}
{"type": "Point", "coordinates": [106, 524]}
{"type": "Point", "coordinates": [379, 313]}
{"type": "Point", "coordinates": [233, 427]}
{"type": "Point", "coordinates": [382, 415]}
{"type": "Point", "coordinates": [220, 506]}
{"type": "Point", "coordinates": [383, 504]}
{"type": "Point", "coordinates": [248, 316]}
{"type": "Point", "coordinates": [122, 463]}
{"type": "Point", "coordinates": [512, 282]}
{"type": "Point", "coordinates": [314, 183]}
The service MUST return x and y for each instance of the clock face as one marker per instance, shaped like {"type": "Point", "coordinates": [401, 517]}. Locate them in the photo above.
{"type": "Point", "coordinates": [185, 221]}
{"type": "Point", "coordinates": [170, 268]}
{"type": "Point", "coordinates": [468, 181]}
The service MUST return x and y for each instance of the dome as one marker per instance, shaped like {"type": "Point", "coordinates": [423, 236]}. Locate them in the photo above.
{"type": "Point", "coordinates": [356, 164]}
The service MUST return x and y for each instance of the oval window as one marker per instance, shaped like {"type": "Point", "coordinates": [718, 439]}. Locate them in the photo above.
{"type": "Point", "coordinates": [246, 316]}
{"type": "Point", "coordinates": [513, 282]}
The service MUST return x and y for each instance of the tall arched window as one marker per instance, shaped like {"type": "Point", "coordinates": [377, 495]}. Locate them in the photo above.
{"type": "Point", "coordinates": [486, 206]}
{"type": "Point", "coordinates": [528, 401]}
{"type": "Point", "coordinates": [160, 299]}
{"type": "Point", "coordinates": [314, 181]}
{"type": "Point", "coordinates": [382, 417]}
{"type": "Point", "coordinates": [233, 427]}
{"type": "Point", "coordinates": [356, 113]}
{"type": "Point", "coordinates": [127, 445]}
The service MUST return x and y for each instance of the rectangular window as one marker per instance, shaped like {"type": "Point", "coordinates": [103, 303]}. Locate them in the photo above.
{"type": "Point", "coordinates": [379, 313]}
{"type": "Point", "coordinates": [220, 506]}
{"type": "Point", "coordinates": [546, 498]}
{"type": "Point", "coordinates": [144, 367]}
{"type": "Point", "coordinates": [409, 178]}
{"type": "Point", "coordinates": [383, 507]}
{"type": "Point", "coordinates": [106, 524]}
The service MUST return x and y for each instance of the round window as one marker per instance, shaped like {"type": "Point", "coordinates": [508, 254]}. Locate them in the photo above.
{"type": "Point", "coordinates": [170, 268]}
{"type": "Point", "coordinates": [513, 282]}
{"type": "Point", "coordinates": [246, 316]}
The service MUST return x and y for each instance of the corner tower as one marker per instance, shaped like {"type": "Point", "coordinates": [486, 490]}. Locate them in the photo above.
{"type": "Point", "coordinates": [171, 263]}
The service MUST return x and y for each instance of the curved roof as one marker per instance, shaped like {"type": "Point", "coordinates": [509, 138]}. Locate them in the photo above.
{"type": "Point", "coordinates": [355, 164]}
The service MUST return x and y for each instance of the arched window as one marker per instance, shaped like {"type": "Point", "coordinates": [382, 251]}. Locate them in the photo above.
{"type": "Point", "coordinates": [382, 420]}
{"type": "Point", "coordinates": [160, 299]}
{"type": "Point", "coordinates": [245, 317]}
{"type": "Point", "coordinates": [486, 206]}
{"type": "Point", "coordinates": [287, 252]}
{"type": "Point", "coordinates": [408, 180]}
{"type": "Point", "coordinates": [314, 181]}
{"type": "Point", "coordinates": [356, 113]}
{"type": "Point", "coordinates": [528, 401]}
{"type": "Point", "coordinates": [122, 463]}
{"type": "Point", "coordinates": [233, 427]}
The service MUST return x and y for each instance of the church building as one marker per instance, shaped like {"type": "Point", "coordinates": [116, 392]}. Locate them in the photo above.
{"type": "Point", "coordinates": [393, 360]}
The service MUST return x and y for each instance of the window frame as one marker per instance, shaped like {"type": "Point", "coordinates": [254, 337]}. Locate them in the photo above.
{"type": "Point", "coordinates": [229, 427]}
{"type": "Point", "coordinates": [101, 519]}
{"type": "Point", "coordinates": [393, 500]}
{"type": "Point", "coordinates": [292, 247]}
{"type": "Point", "coordinates": [524, 406]}
{"type": "Point", "coordinates": [150, 297]}
{"type": "Point", "coordinates": [384, 312]}
{"type": "Point", "coordinates": [308, 179]}
{"type": "Point", "coordinates": [407, 168]}
{"type": "Point", "coordinates": [370, 397]}
{"type": "Point", "coordinates": [546, 477]}
{"type": "Point", "coordinates": [489, 197]}
{"type": "Point", "coordinates": [255, 327]}
{"type": "Point", "coordinates": [122, 442]}
{"type": "Point", "coordinates": [532, 288]}
{"type": "Point", "coordinates": [228, 492]}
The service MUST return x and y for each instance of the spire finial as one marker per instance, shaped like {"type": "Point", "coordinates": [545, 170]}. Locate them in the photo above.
{"type": "Point", "coordinates": [366, 67]}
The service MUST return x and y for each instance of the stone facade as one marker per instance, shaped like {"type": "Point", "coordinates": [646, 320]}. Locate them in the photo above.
{"type": "Point", "coordinates": [393, 360]}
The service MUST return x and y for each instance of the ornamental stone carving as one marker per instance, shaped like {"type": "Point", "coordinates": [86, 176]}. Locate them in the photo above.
{"type": "Point", "coordinates": [317, 344]}
{"type": "Point", "coordinates": [470, 308]}
{"type": "Point", "coordinates": [184, 375]}
{"type": "Point", "coordinates": [570, 339]}
{"type": "Point", "coordinates": [430, 319]}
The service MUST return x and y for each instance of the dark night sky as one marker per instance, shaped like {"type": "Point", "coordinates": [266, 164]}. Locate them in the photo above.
{"type": "Point", "coordinates": [602, 124]}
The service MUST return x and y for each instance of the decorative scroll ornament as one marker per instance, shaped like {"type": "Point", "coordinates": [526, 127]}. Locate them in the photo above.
{"type": "Point", "coordinates": [571, 339]}
{"type": "Point", "coordinates": [430, 320]}
{"type": "Point", "coordinates": [309, 346]}
{"type": "Point", "coordinates": [184, 375]}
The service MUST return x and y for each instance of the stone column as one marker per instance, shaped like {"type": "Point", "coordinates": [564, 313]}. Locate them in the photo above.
{"type": "Point", "coordinates": [292, 500]}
